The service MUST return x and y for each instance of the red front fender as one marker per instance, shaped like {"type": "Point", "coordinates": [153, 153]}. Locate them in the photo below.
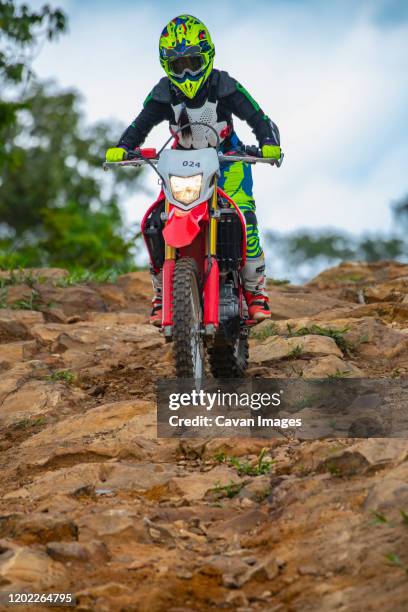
{"type": "Point", "coordinates": [184, 225]}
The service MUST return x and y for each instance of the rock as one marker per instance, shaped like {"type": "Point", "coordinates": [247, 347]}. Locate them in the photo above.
{"type": "Point", "coordinates": [388, 495]}
{"type": "Point", "coordinates": [308, 570]}
{"type": "Point", "coordinates": [117, 318]}
{"type": "Point", "coordinates": [22, 297]}
{"type": "Point", "coordinates": [275, 348]}
{"type": "Point", "coordinates": [139, 477]}
{"type": "Point", "coordinates": [294, 325]}
{"type": "Point", "coordinates": [136, 285]}
{"type": "Point", "coordinates": [116, 476]}
{"type": "Point", "coordinates": [392, 291]}
{"type": "Point", "coordinates": [20, 566]}
{"type": "Point", "coordinates": [33, 398]}
{"type": "Point", "coordinates": [238, 524]}
{"type": "Point", "coordinates": [268, 569]}
{"type": "Point", "coordinates": [331, 365]}
{"type": "Point", "coordinates": [195, 487]}
{"type": "Point", "coordinates": [108, 592]}
{"type": "Point", "coordinates": [19, 323]}
{"type": "Point", "coordinates": [102, 419]}
{"type": "Point", "coordinates": [230, 568]}
{"type": "Point", "coordinates": [257, 489]}
{"type": "Point", "coordinates": [237, 447]}
{"type": "Point", "coordinates": [288, 303]}
{"type": "Point", "coordinates": [76, 551]}
{"type": "Point", "coordinates": [20, 275]}
{"type": "Point", "coordinates": [88, 336]}
{"type": "Point", "coordinates": [400, 312]}
{"type": "Point", "coordinates": [357, 272]}
{"type": "Point", "coordinates": [365, 456]}
{"type": "Point", "coordinates": [112, 295]}
{"type": "Point", "coordinates": [372, 338]}
{"type": "Point", "coordinates": [37, 527]}
{"type": "Point", "coordinates": [237, 599]}
{"type": "Point", "coordinates": [66, 481]}
{"type": "Point", "coordinates": [112, 524]}
{"type": "Point", "coordinates": [12, 352]}
{"type": "Point", "coordinates": [72, 300]}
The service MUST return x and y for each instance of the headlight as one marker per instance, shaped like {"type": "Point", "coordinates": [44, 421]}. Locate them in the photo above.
{"type": "Point", "coordinates": [186, 189]}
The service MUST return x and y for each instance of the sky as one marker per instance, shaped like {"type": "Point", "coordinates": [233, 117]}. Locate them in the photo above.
{"type": "Point", "coordinates": [332, 74]}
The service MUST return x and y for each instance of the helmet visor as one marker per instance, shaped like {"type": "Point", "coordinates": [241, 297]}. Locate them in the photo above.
{"type": "Point", "coordinates": [191, 64]}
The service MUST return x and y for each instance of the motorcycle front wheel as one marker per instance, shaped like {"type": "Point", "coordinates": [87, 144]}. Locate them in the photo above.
{"type": "Point", "coordinates": [188, 345]}
{"type": "Point", "coordinates": [228, 355]}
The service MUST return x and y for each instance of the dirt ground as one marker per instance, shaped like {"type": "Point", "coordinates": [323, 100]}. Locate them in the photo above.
{"type": "Point", "coordinates": [94, 504]}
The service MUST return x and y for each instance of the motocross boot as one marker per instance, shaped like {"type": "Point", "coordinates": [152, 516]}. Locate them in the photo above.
{"type": "Point", "coordinates": [156, 313]}
{"type": "Point", "coordinates": [253, 277]}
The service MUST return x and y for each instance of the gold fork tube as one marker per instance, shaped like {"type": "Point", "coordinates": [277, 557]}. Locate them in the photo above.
{"type": "Point", "coordinates": [169, 251]}
{"type": "Point", "coordinates": [213, 221]}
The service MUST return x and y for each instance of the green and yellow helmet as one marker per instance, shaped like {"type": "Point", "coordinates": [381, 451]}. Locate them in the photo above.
{"type": "Point", "coordinates": [187, 53]}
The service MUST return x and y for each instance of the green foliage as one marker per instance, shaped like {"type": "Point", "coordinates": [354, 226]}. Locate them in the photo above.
{"type": "Point", "coordinates": [277, 282]}
{"type": "Point", "coordinates": [108, 275]}
{"type": "Point", "coordinates": [266, 331]}
{"type": "Point", "coordinates": [262, 466]}
{"type": "Point", "coordinates": [296, 352]}
{"type": "Point", "coordinates": [379, 518]}
{"type": "Point", "coordinates": [61, 376]}
{"type": "Point", "coordinates": [400, 211]}
{"type": "Point", "coordinates": [19, 276]}
{"type": "Point", "coordinates": [27, 423]}
{"type": "Point", "coordinates": [32, 301]}
{"type": "Point", "coordinates": [22, 31]}
{"type": "Point", "coordinates": [57, 205]}
{"type": "Point", "coordinates": [393, 559]}
{"type": "Point", "coordinates": [309, 251]}
{"type": "Point", "coordinates": [230, 490]}
{"type": "Point", "coordinates": [78, 235]}
{"type": "Point", "coordinates": [220, 457]}
{"type": "Point", "coordinates": [333, 469]}
{"type": "Point", "coordinates": [335, 246]}
{"type": "Point", "coordinates": [336, 334]}
{"type": "Point", "coordinates": [29, 301]}
{"type": "Point", "coordinates": [338, 374]}
{"type": "Point", "coordinates": [3, 297]}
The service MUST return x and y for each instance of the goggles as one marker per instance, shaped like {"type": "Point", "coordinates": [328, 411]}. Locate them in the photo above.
{"type": "Point", "coordinates": [187, 64]}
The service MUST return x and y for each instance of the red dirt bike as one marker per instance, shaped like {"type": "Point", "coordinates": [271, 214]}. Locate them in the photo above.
{"type": "Point", "coordinates": [196, 234]}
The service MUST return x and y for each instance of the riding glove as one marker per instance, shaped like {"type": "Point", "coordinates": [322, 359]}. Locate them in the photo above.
{"type": "Point", "coordinates": [273, 151]}
{"type": "Point", "coordinates": [115, 154]}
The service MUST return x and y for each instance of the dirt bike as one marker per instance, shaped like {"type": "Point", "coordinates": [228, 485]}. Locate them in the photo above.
{"type": "Point", "coordinates": [196, 234]}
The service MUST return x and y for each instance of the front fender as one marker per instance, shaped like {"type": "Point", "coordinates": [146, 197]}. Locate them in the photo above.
{"type": "Point", "coordinates": [184, 225]}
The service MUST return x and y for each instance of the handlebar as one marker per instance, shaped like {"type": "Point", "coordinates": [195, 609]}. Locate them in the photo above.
{"type": "Point", "coordinates": [133, 159]}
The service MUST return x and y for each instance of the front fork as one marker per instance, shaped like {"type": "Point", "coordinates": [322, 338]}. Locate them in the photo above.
{"type": "Point", "coordinates": [211, 271]}
{"type": "Point", "coordinates": [168, 272]}
{"type": "Point", "coordinates": [211, 276]}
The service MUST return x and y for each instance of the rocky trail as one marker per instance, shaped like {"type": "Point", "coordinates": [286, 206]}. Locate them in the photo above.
{"type": "Point", "coordinates": [94, 504]}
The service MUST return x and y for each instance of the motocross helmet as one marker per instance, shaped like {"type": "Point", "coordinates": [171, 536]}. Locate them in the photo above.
{"type": "Point", "coordinates": [187, 53]}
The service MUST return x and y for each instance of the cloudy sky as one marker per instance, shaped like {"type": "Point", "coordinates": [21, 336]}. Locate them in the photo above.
{"type": "Point", "coordinates": [333, 74]}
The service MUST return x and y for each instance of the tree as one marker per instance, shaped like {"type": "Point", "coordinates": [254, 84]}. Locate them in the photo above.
{"type": "Point", "coordinates": [57, 205]}
{"type": "Point", "coordinates": [21, 32]}
{"type": "Point", "coordinates": [302, 254]}
{"type": "Point", "coordinates": [400, 212]}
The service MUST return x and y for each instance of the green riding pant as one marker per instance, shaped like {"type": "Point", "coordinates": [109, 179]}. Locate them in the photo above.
{"type": "Point", "coordinates": [236, 181]}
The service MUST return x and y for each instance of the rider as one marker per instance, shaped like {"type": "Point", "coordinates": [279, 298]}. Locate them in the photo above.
{"type": "Point", "coordinates": [195, 91]}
